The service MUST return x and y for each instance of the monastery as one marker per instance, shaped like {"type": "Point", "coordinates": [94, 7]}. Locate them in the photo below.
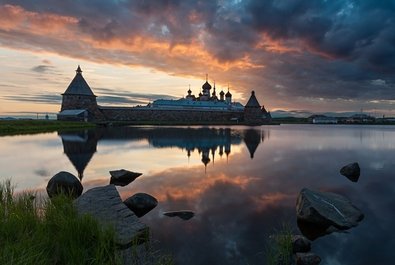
{"type": "Point", "coordinates": [79, 103]}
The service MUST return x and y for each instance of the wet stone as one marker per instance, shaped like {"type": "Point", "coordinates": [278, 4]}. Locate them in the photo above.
{"type": "Point", "coordinates": [106, 206]}
{"type": "Point", "coordinates": [123, 177]}
{"type": "Point", "coordinates": [300, 244]}
{"type": "Point", "coordinates": [307, 259]}
{"type": "Point", "coordinates": [64, 183]}
{"type": "Point", "coordinates": [351, 171]}
{"type": "Point", "coordinates": [184, 215]}
{"type": "Point", "coordinates": [141, 203]}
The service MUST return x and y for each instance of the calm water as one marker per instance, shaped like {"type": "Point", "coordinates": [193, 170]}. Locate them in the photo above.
{"type": "Point", "coordinates": [241, 182]}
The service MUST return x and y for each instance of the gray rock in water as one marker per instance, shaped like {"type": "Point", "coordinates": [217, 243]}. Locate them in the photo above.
{"type": "Point", "coordinates": [141, 203]}
{"type": "Point", "coordinates": [106, 206]}
{"type": "Point", "coordinates": [184, 215]}
{"type": "Point", "coordinates": [64, 183]}
{"type": "Point", "coordinates": [300, 244]}
{"type": "Point", "coordinates": [327, 209]}
{"type": "Point", "coordinates": [351, 171]}
{"type": "Point", "coordinates": [307, 259]}
{"type": "Point", "coordinates": [123, 177]}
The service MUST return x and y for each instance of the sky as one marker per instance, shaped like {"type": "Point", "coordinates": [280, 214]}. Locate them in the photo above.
{"type": "Point", "coordinates": [311, 56]}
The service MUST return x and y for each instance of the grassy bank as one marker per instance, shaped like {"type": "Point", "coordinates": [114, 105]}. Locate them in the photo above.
{"type": "Point", "coordinates": [50, 233]}
{"type": "Point", "coordinates": [15, 127]}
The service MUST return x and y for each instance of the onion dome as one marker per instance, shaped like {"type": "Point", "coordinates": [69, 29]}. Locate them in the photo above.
{"type": "Point", "coordinates": [221, 93]}
{"type": "Point", "coordinates": [206, 86]}
{"type": "Point", "coordinates": [228, 94]}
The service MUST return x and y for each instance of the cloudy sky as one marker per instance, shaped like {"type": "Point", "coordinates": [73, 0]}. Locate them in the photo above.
{"type": "Point", "coordinates": [301, 56]}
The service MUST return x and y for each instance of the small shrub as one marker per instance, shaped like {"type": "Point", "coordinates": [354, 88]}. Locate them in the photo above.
{"type": "Point", "coordinates": [279, 248]}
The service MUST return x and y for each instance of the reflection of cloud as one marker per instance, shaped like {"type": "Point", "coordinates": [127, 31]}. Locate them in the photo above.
{"type": "Point", "coordinates": [42, 172]}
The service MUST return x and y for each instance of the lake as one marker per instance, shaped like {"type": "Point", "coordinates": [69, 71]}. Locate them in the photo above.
{"type": "Point", "coordinates": [242, 183]}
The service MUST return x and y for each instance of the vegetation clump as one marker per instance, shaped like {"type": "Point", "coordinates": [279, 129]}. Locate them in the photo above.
{"type": "Point", "coordinates": [50, 233]}
{"type": "Point", "coordinates": [279, 248]}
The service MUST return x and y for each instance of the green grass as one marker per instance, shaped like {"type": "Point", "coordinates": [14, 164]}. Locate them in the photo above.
{"type": "Point", "coordinates": [15, 127]}
{"type": "Point", "coordinates": [51, 232]}
{"type": "Point", "coordinates": [279, 247]}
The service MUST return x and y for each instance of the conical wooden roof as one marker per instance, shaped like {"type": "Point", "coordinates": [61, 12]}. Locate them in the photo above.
{"type": "Point", "coordinates": [253, 102]}
{"type": "Point", "coordinates": [78, 85]}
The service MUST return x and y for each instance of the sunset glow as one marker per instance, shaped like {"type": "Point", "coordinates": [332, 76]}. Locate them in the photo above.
{"type": "Point", "coordinates": [299, 56]}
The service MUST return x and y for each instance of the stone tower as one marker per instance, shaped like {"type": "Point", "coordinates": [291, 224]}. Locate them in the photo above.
{"type": "Point", "coordinates": [253, 113]}
{"type": "Point", "coordinates": [79, 96]}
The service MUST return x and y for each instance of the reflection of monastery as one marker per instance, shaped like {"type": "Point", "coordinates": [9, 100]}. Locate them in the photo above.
{"type": "Point", "coordinates": [209, 142]}
{"type": "Point", "coordinates": [79, 103]}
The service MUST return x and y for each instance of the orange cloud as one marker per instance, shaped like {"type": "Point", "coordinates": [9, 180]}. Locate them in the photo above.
{"type": "Point", "coordinates": [16, 19]}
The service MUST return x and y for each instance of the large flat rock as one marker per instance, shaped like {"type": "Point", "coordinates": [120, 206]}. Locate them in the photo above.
{"type": "Point", "coordinates": [327, 209]}
{"type": "Point", "coordinates": [106, 206]}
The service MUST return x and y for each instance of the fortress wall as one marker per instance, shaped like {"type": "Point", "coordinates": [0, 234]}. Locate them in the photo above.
{"type": "Point", "coordinates": [143, 114]}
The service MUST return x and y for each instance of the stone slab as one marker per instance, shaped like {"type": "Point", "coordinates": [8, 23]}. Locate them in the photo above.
{"type": "Point", "coordinates": [106, 206]}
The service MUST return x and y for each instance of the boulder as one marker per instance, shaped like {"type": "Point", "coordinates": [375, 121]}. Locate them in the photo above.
{"type": "Point", "coordinates": [141, 203]}
{"type": "Point", "coordinates": [327, 209]}
{"type": "Point", "coordinates": [300, 244]}
{"type": "Point", "coordinates": [123, 177]}
{"type": "Point", "coordinates": [184, 215]}
{"type": "Point", "coordinates": [351, 171]}
{"type": "Point", "coordinates": [64, 183]}
{"type": "Point", "coordinates": [106, 206]}
{"type": "Point", "coordinates": [307, 259]}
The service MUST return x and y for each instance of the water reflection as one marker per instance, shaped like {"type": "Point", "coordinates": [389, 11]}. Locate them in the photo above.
{"type": "Point", "coordinates": [80, 147]}
{"type": "Point", "coordinates": [237, 204]}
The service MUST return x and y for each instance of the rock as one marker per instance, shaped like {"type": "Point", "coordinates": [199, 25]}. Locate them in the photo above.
{"type": "Point", "coordinates": [300, 244]}
{"type": "Point", "coordinates": [65, 183]}
{"type": "Point", "coordinates": [307, 259]}
{"type": "Point", "coordinates": [184, 215]}
{"type": "Point", "coordinates": [327, 209]}
{"type": "Point", "coordinates": [351, 171]}
{"type": "Point", "coordinates": [106, 206]}
{"type": "Point", "coordinates": [314, 231]}
{"type": "Point", "coordinates": [123, 177]}
{"type": "Point", "coordinates": [141, 203]}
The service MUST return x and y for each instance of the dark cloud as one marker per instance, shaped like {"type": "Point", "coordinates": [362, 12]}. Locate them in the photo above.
{"type": "Point", "coordinates": [42, 68]}
{"type": "Point", "coordinates": [115, 97]}
{"type": "Point", "coordinates": [306, 51]}
{"type": "Point", "coordinates": [41, 98]}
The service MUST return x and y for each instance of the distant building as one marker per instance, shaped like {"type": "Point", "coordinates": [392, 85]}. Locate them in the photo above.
{"type": "Point", "coordinates": [321, 119]}
{"type": "Point", "coordinates": [79, 103]}
{"type": "Point", "coordinates": [361, 118]}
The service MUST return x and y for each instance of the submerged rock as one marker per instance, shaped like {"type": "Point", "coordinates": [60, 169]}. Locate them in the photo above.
{"type": "Point", "coordinates": [351, 171]}
{"type": "Point", "coordinates": [64, 183]}
{"type": "Point", "coordinates": [141, 203]}
{"type": "Point", "coordinates": [300, 244]}
{"type": "Point", "coordinates": [325, 209]}
{"type": "Point", "coordinates": [307, 259]}
{"type": "Point", "coordinates": [123, 177]}
{"type": "Point", "coordinates": [184, 215]}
